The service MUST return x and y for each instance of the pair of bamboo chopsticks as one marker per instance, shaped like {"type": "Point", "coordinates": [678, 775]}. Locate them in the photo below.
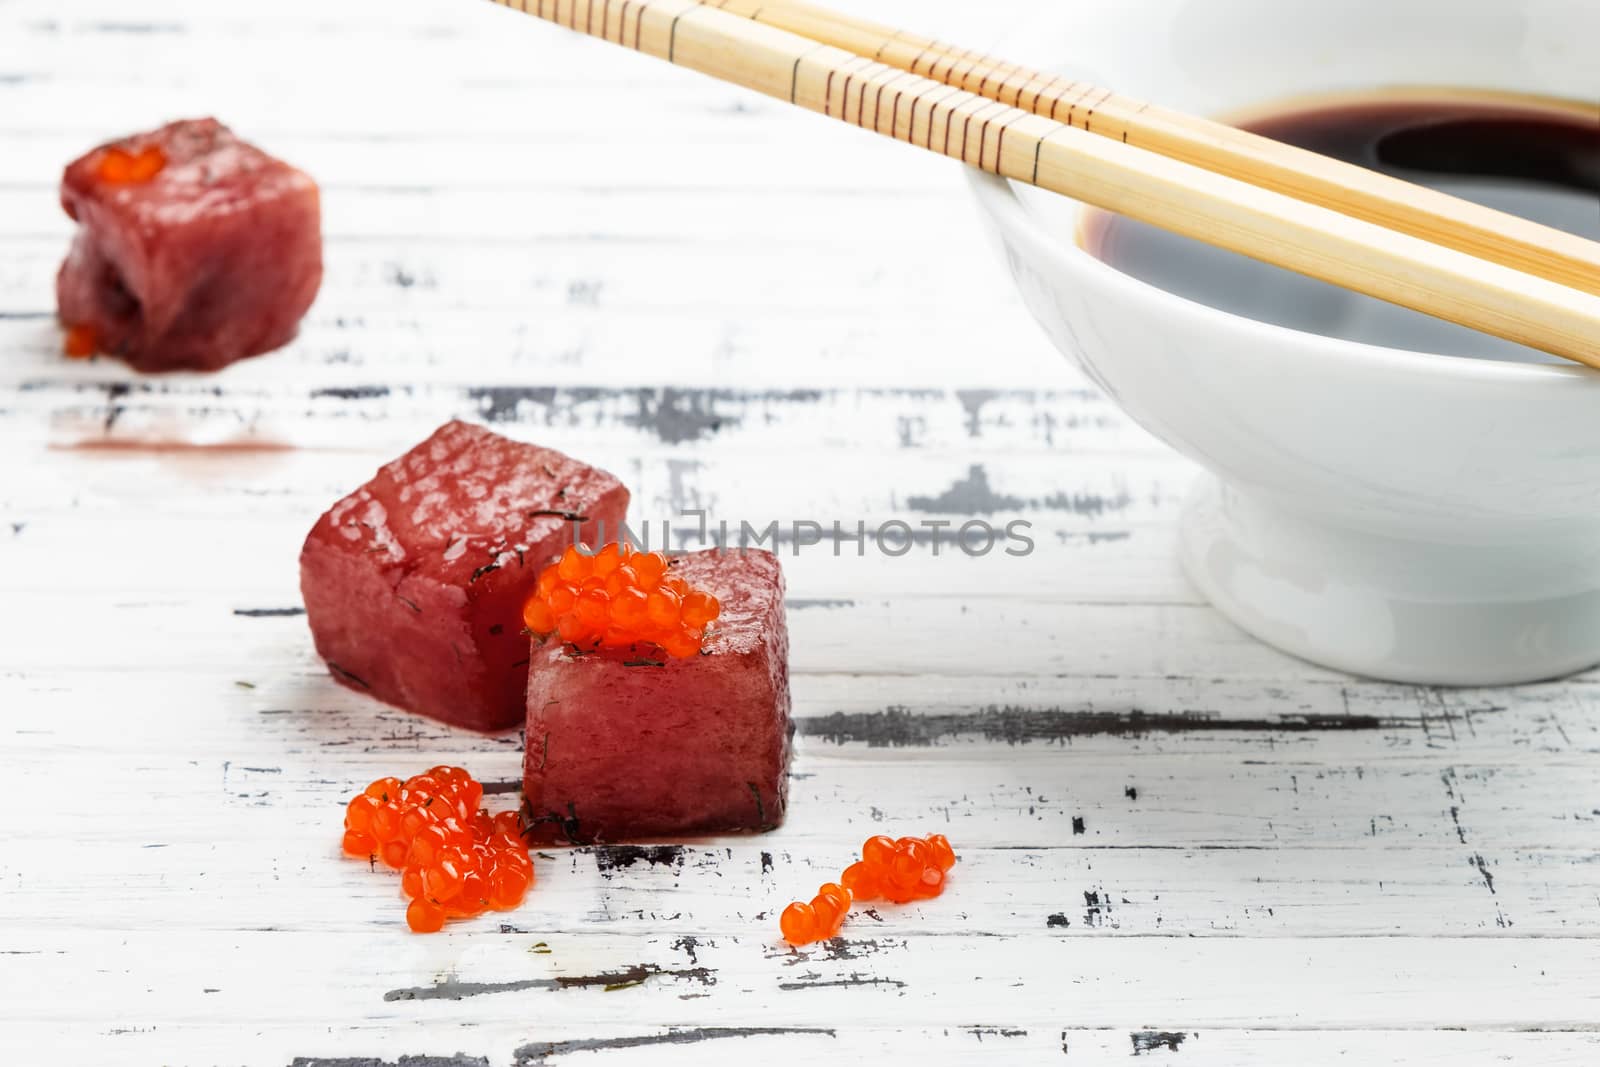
{"type": "Point", "coordinates": [1340, 223]}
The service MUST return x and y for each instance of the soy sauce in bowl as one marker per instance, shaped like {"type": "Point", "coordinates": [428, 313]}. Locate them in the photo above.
{"type": "Point", "coordinates": [1529, 156]}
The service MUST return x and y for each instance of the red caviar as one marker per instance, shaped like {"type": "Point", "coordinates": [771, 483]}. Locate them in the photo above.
{"type": "Point", "coordinates": [80, 342]}
{"type": "Point", "coordinates": [118, 166]}
{"type": "Point", "coordinates": [619, 597]}
{"type": "Point", "coordinates": [455, 860]}
{"type": "Point", "coordinates": [802, 923]}
{"type": "Point", "coordinates": [910, 868]}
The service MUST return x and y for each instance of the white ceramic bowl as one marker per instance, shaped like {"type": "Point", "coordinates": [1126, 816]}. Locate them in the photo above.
{"type": "Point", "coordinates": [1414, 516]}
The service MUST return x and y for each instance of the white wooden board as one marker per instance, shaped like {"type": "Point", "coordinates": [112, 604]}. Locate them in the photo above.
{"type": "Point", "coordinates": [1176, 843]}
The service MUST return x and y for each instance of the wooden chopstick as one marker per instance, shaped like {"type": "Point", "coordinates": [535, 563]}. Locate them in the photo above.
{"type": "Point", "coordinates": [1351, 190]}
{"type": "Point", "coordinates": [1051, 154]}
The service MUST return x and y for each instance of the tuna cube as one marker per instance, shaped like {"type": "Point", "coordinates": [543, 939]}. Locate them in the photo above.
{"type": "Point", "coordinates": [630, 743]}
{"type": "Point", "coordinates": [414, 583]}
{"type": "Point", "coordinates": [194, 249]}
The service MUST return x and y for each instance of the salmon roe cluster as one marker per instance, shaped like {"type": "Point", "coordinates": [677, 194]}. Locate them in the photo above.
{"type": "Point", "coordinates": [455, 860]}
{"type": "Point", "coordinates": [911, 868]}
{"type": "Point", "coordinates": [80, 342]}
{"type": "Point", "coordinates": [803, 923]}
{"type": "Point", "coordinates": [619, 597]}
{"type": "Point", "coordinates": [118, 166]}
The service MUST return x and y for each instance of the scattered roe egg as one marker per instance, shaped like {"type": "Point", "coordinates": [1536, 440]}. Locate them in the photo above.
{"type": "Point", "coordinates": [80, 342]}
{"type": "Point", "coordinates": [802, 923]}
{"type": "Point", "coordinates": [910, 868]}
{"type": "Point", "coordinates": [456, 861]}
{"type": "Point", "coordinates": [619, 597]}
{"type": "Point", "coordinates": [120, 167]}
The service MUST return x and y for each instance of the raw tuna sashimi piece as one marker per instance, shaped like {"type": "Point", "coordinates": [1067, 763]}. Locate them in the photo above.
{"type": "Point", "coordinates": [414, 583]}
{"type": "Point", "coordinates": [630, 743]}
{"type": "Point", "coordinates": [194, 249]}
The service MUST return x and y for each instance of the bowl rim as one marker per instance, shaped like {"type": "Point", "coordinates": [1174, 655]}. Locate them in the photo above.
{"type": "Point", "coordinates": [999, 199]}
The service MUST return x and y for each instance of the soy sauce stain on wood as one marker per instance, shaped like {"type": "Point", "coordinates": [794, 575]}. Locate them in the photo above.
{"type": "Point", "coordinates": [541, 1053]}
{"type": "Point", "coordinates": [140, 446]}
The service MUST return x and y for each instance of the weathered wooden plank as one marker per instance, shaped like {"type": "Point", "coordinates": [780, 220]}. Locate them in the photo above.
{"type": "Point", "coordinates": [1198, 780]}
{"type": "Point", "coordinates": [418, 139]}
{"type": "Point", "coordinates": [161, 633]}
{"type": "Point", "coordinates": [1185, 803]}
{"type": "Point", "coordinates": [1290, 720]}
{"type": "Point", "coordinates": [586, 275]}
{"type": "Point", "coordinates": [160, 977]}
{"type": "Point", "coordinates": [736, 887]}
{"type": "Point", "coordinates": [432, 208]}
{"type": "Point", "coordinates": [1073, 427]}
{"type": "Point", "coordinates": [710, 350]}
{"type": "Point", "coordinates": [552, 1043]}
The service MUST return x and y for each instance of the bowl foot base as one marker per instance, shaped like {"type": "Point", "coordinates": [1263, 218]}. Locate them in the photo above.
{"type": "Point", "coordinates": [1392, 608]}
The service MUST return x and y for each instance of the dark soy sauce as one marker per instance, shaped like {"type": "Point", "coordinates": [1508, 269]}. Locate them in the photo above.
{"type": "Point", "coordinates": [1537, 159]}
